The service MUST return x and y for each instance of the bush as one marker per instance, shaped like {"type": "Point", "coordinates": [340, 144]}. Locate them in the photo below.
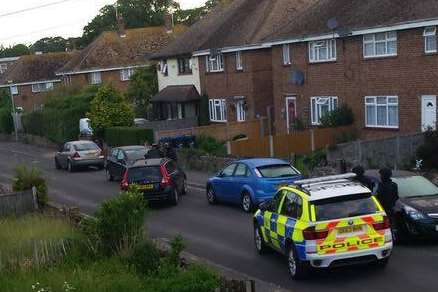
{"type": "Point", "coordinates": [26, 178]}
{"type": "Point", "coordinates": [145, 258]}
{"type": "Point", "coordinates": [210, 145]}
{"type": "Point", "coordinates": [124, 136]}
{"type": "Point", "coordinates": [6, 121]}
{"type": "Point", "coordinates": [428, 151]}
{"type": "Point", "coordinates": [342, 116]}
{"type": "Point", "coordinates": [120, 223]}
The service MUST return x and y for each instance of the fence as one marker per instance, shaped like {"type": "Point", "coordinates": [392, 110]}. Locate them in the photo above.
{"type": "Point", "coordinates": [222, 132]}
{"type": "Point", "coordinates": [395, 152]}
{"type": "Point", "coordinates": [17, 204]}
{"type": "Point", "coordinates": [301, 143]}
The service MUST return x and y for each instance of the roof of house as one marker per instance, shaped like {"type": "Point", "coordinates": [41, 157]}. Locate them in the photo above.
{"type": "Point", "coordinates": [177, 93]}
{"type": "Point", "coordinates": [349, 15]}
{"type": "Point", "coordinates": [241, 22]}
{"type": "Point", "coordinates": [34, 68]}
{"type": "Point", "coordinates": [110, 50]}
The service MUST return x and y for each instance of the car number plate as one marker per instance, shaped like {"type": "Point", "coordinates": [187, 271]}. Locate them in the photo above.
{"type": "Point", "coordinates": [350, 229]}
{"type": "Point", "coordinates": [147, 187]}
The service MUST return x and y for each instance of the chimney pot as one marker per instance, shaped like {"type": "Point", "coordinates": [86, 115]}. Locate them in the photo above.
{"type": "Point", "coordinates": [168, 22]}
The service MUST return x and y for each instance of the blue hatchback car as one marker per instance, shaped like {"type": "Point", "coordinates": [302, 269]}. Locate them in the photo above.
{"type": "Point", "coordinates": [250, 182]}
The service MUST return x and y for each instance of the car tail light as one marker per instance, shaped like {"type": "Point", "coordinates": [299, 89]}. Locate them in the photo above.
{"type": "Point", "coordinates": [166, 181]}
{"type": "Point", "coordinates": [124, 184]}
{"type": "Point", "coordinates": [76, 155]}
{"type": "Point", "coordinates": [385, 224]}
{"type": "Point", "coordinates": [311, 233]}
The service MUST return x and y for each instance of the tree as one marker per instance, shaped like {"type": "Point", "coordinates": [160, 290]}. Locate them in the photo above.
{"type": "Point", "coordinates": [14, 51]}
{"type": "Point", "coordinates": [53, 44]}
{"type": "Point", "coordinates": [143, 85]}
{"type": "Point", "coordinates": [109, 109]}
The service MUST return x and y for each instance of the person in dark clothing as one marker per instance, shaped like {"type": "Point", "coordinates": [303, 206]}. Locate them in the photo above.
{"type": "Point", "coordinates": [387, 191]}
{"type": "Point", "coordinates": [154, 152]}
{"type": "Point", "coordinates": [170, 152]}
{"type": "Point", "coordinates": [362, 178]}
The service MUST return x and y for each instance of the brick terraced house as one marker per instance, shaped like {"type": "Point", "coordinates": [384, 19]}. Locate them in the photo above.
{"type": "Point", "coordinates": [31, 76]}
{"type": "Point", "coordinates": [377, 56]}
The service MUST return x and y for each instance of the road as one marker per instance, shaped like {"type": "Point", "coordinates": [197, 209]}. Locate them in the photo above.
{"type": "Point", "coordinates": [223, 234]}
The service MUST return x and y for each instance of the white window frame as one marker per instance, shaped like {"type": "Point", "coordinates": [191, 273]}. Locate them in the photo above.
{"type": "Point", "coordinates": [316, 46]}
{"type": "Point", "coordinates": [66, 80]}
{"type": "Point", "coordinates": [126, 74]}
{"type": "Point", "coordinates": [286, 54]}
{"type": "Point", "coordinates": [387, 105]}
{"type": "Point", "coordinates": [95, 78]}
{"type": "Point", "coordinates": [14, 90]}
{"type": "Point", "coordinates": [318, 101]}
{"type": "Point", "coordinates": [239, 61]}
{"type": "Point", "coordinates": [430, 33]}
{"type": "Point", "coordinates": [240, 110]}
{"type": "Point", "coordinates": [3, 67]}
{"type": "Point", "coordinates": [42, 87]}
{"type": "Point", "coordinates": [372, 41]}
{"type": "Point", "coordinates": [214, 64]}
{"type": "Point", "coordinates": [214, 104]}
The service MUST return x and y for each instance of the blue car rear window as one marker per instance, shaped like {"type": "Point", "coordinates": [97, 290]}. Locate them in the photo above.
{"type": "Point", "coordinates": [277, 171]}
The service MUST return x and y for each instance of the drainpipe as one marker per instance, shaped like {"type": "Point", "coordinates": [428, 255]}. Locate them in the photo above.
{"type": "Point", "coordinates": [14, 114]}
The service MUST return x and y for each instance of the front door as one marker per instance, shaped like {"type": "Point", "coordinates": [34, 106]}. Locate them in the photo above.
{"type": "Point", "coordinates": [428, 112]}
{"type": "Point", "coordinates": [291, 112]}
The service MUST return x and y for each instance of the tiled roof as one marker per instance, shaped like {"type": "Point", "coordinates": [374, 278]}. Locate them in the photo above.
{"type": "Point", "coordinates": [32, 68]}
{"type": "Point", "coordinates": [356, 14]}
{"type": "Point", "coordinates": [242, 22]}
{"type": "Point", "coordinates": [110, 50]}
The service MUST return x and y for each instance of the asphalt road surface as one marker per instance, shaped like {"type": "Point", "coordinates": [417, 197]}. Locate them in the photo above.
{"type": "Point", "coordinates": [223, 234]}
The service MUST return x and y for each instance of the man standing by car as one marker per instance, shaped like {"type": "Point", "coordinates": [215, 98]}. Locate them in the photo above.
{"type": "Point", "coordinates": [362, 178]}
{"type": "Point", "coordinates": [387, 191]}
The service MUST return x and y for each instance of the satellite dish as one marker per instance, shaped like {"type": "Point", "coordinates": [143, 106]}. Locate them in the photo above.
{"type": "Point", "coordinates": [332, 23]}
{"type": "Point", "coordinates": [297, 77]}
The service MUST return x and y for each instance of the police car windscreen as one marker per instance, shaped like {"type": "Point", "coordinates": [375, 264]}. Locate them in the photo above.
{"type": "Point", "coordinates": [277, 171]}
{"type": "Point", "coordinates": [147, 173]}
{"type": "Point", "coordinates": [344, 207]}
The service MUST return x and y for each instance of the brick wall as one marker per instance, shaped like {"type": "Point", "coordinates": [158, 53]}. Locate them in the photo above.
{"type": "Point", "coordinates": [30, 100]}
{"type": "Point", "coordinates": [409, 75]}
{"type": "Point", "coordinates": [112, 77]}
{"type": "Point", "coordinates": [254, 82]}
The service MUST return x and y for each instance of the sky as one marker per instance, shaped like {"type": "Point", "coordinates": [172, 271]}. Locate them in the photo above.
{"type": "Point", "coordinates": [66, 19]}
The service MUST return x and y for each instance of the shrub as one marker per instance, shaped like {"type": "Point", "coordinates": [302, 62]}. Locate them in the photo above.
{"type": "Point", "coordinates": [120, 222]}
{"type": "Point", "coordinates": [210, 145]}
{"type": "Point", "coordinates": [177, 245]}
{"type": "Point", "coordinates": [428, 151]}
{"type": "Point", "coordinates": [342, 116]}
{"type": "Point", "coordinates": [142, 87]}
{"type": "Point", "coordinates": [123, 136]}
{"type": "Point", "coordinates": [109, 108]}
{"type": "Point", "coordinates": [145, 258]}
{"type": "Point", "coordinates": [26, 178]}
{"type": "Point", "coordinates": [6, 121]}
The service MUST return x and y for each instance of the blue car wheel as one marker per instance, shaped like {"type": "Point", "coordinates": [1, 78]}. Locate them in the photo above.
{"type": "Point", "coordinates": [247, 204]}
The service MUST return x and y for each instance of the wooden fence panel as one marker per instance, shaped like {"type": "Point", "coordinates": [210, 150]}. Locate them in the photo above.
{"type": "Point", "coordinates": [328, 136]}
{"type": "Point", "coordinates": [296, 143]}
{"type": "Point", "coordinates": [16, 204]}
{"type": "Point", "coordinates": [251, 148]}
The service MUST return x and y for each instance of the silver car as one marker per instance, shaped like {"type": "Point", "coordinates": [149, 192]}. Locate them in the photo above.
{"type": "Point", "coordinates": [77, 154]}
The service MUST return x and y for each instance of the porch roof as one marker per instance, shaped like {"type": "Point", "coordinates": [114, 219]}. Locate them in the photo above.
{"type": "Point", "coordinates": [177, 93]}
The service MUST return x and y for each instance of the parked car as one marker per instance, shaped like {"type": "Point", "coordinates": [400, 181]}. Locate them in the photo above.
{"type": "Point", "coordinates": [250, 182]}
{"type": "Point", "coordinates": [160, 179]}
{"type": "Point", "coordinates": [121, 157]}
{"type": "Point", "coordinates": [75, 154]}
{"type": "Point", "coordinates": [417, 210]}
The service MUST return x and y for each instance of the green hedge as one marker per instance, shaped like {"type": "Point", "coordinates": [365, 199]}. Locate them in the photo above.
{"type": "Point", "coordinates": [6, 121]}
{"type": "Point", "coordinates": [124, 136]}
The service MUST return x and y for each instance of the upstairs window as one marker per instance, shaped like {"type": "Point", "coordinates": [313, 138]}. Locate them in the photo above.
{"type": "Point", "coordinates": [126, 74]}
{"type": "Point", "coordinates": [3, 68]}
{"type": "Point", "coordinates": [14, 90]}
{"type": "Point", "coordinates": [163, 68]}
{"type": "Point", "coordinates": [380, 44]}
{"type": "Point", "coordinates": [184, 66]}
{"type": "Point", "coordinates": [430, 41]}
{"type": "Point", "coordinates": [321, 106]}
{"type": "Point", "coordinates": [66, 79]}
{"type": "Point", "coordinates": [322, 51]}
{"type": "Point", "coordinates": [42, 87]}
{"type": "Point", "coordinates": [286, 54]}
{"type": "Point", "coordinates": [95, 78]}
{"type": "Point", "coordinates": [239, 61]}
{"type": "Point", "coordinates": [381, 111]}
{"type": "Point", "coordinates": [215, 63]}
{"type": "Point", "coordinates": [218, 110]}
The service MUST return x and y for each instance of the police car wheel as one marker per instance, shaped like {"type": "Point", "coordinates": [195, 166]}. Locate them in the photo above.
{"type": "Point", "coordinates": [211, 197]}
{"type": "Point", "coordinates": [259, 241]}
{"type": "Point", "coordinates": [247, 205]}
{"type": "Point", "coordinates": [297, 269]}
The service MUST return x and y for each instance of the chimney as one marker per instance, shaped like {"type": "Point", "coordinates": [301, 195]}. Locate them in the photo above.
{"type": "Point", "coordinates": [121, 26]}
{"type": "Point", "coordinates": [168, 22]}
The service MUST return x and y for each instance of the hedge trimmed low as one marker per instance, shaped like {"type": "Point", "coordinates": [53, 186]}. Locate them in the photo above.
{"type": "Point", "coordinates": [124, 136]}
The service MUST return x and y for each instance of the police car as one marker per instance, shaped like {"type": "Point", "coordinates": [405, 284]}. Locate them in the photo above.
{"type": "Point", "coordinates": [324, 222]}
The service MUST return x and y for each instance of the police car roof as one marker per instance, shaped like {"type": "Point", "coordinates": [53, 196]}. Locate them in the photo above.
{"type": "Point", "coordinates": [258, 162]}
{"type": "Point", "coordinates": [334, 189]}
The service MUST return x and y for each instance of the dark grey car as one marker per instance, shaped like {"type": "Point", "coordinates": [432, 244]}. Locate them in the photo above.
{"type": "Point", "coordinates": [120, 158]}
{"type": "Point", "coordinates": [75, 154]}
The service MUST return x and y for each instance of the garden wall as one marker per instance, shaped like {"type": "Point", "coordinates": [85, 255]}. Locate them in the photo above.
{"type": "Point", "coordinates": [17, 204]}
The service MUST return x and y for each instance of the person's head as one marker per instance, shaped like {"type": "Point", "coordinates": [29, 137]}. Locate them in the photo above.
{"type": "Point", "coordinates": [358, 170]}
{"type": "Point", "coordinates": [385, 174]}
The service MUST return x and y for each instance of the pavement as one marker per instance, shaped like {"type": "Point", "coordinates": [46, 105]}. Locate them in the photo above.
{"type": "Point", "coordinates": [222, 234]}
